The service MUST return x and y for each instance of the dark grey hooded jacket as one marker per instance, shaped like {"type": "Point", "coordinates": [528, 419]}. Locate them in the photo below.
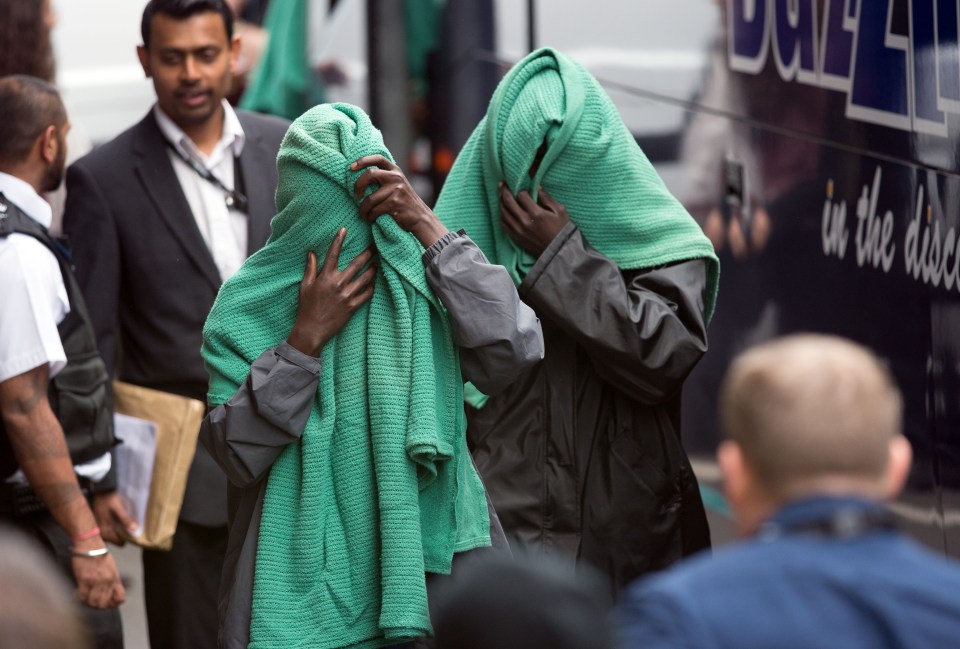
{"type": "Point", "coordinates": [582, 455]}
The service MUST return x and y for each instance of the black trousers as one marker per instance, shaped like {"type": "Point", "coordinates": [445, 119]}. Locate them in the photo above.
{"type": "Point", "coordinates": [103, 625]}
{"type": "Point", "coordinates": [181, 586]}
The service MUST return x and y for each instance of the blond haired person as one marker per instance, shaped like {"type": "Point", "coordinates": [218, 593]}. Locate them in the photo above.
{"type": "Point", "coordinates": [813, 447]}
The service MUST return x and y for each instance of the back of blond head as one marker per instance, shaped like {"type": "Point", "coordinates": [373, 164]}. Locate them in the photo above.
{"type": "Point", "coordinates": [808, 407]}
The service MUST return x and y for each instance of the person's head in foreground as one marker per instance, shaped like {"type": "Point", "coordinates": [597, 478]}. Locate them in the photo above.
{"type": "Point", "coordinates": [37, 609]}
{"type": "Point", "coordinates": [809, 415]}
{"type": "Point", "coordinates": [813, 449]}
{"type": "Point", "coordinates": [523, 603]}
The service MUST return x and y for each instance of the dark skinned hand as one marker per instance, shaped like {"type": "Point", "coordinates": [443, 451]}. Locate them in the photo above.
{"type": "Point", "coordinates": [395, 197]}
{"type": "Point", "coordinates": [98, 579]}
{"type": "Point", "coordinates": [532, 226]}
{"type": "Point", "coordinates": [112, 517]}
{"type": "Point", "coordinates": [329, 298]}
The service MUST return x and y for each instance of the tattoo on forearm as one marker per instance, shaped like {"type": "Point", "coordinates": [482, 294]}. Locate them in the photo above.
{"type": "Point", "coordinates": [55, 496]}
{"type": "Point", "coordinates": [37, 439]}
{"type": "Point", "coordinates": [46, 442]}
{"type": "Point", "coordinates": [41, 441]}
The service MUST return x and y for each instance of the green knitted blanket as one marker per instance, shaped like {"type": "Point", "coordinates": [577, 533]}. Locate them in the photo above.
{"type": "Point", "coordinates": [283, 83]}
{"type": "Point", "coordinates": [380, 488]}
{"type": "Point", "coordinates": [592, 165]}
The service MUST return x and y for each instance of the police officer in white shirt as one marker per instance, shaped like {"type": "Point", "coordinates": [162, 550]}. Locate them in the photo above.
{"type": "Point", "coordinates": [55, 429]}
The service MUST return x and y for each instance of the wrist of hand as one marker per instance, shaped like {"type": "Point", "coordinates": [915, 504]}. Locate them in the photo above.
{"type": "Point", "coordinates": [309, 345]}
{"type": "Point", "coordinates": [89, 543]}
{"type": "Point", "coordinates": [89, 548]}
{"type": "Point", "coordinates": [82, 536]}
{"type": "Point", "coordinates": [429, 230]}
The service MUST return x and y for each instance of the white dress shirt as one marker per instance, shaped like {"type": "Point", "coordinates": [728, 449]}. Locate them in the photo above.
{"type": "Point", "coordinates": [223, 229]}
{"type": "Point", "coordinates": [33, 301]}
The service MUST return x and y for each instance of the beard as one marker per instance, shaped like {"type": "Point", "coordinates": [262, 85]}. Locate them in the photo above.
{"type": "Point", "coordinates": [53, 175]}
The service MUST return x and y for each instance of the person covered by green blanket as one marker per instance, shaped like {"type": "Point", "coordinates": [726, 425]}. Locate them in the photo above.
{"type": "Point", "coordinates": [336, 394]}
{"type": "Point", "coordinates": [582, 454]}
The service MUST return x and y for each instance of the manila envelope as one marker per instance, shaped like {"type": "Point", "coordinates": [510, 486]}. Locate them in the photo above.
{"type": "Point", "coordinates": [178, 425]}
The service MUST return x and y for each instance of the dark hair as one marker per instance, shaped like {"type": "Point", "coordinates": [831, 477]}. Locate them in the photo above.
{"type": "Point", "coordinates": [25, 46]}
{"type": "Point", "coordinates": [181, 9]}
{"type": "Point", "coordinates": [545, 606]}
{"type": "Point", "coordinates": [28, 105]}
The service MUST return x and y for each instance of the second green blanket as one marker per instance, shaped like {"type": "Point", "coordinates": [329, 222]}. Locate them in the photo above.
{"type": "Point", "coordinates": [592, 165]}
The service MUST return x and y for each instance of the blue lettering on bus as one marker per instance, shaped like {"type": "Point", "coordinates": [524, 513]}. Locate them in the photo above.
{"type": "Point", "coordinates": [879, 84]}
{"type": "Point", "coordinates": [837, 47]}
{"type": "Point", "coordinates": [795, 39]}
{"type": "Point", "coordinates": [927, 116]}
{"type": "Point", "coordinates": [749, 35]}
{"type": "Point", "coordinates": [905, 76]}
{"type": "Point", "coordinates": [948, 25]}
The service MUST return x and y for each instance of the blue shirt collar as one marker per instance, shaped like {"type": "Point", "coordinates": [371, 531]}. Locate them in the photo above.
{"type": "Point", "coordinates": [809, 511]}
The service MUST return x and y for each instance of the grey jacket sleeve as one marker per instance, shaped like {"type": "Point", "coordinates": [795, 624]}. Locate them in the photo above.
{"type": "Point", "coordinates": [269, 411]}
{"type": "Point", "coordinates": [643, 330]}
{"type": "Point", "coordinates": [499, 336]}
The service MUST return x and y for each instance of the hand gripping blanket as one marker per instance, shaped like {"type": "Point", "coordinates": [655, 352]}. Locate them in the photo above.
{"type": "Point", "coordinates": [592, 165]}
{"type": "Point", "coordinates": [380, 488]}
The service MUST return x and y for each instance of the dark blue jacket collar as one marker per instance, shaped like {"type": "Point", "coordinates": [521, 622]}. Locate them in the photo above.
{"type": "Point", "coordinates": [818, 513]}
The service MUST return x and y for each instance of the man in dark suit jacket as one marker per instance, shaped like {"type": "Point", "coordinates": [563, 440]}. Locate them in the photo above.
{"type": "Point", "coordinates": [813, 448]}
{"type": "Point", "coordinates": [157, 219]}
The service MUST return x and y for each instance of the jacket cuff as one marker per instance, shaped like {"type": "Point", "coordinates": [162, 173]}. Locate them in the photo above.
{"type": "Point", "coordinates": [291, 354]}
{"type": "Point", "coordinates": [547, 256]}
{"type": "Point", "coordinates": [430, 253]}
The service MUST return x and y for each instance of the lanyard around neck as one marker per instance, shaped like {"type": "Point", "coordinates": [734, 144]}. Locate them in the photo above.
{"type": "Point", "coordinates": [234, 198]}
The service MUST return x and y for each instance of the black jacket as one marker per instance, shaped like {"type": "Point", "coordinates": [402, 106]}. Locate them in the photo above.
{"type": "Point", "coordinates": [147, 274]}
{"type": "Point", "coordinates": [582, 455]}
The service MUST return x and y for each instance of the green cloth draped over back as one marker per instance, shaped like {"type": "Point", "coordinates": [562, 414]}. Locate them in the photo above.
{"type": "Point", "coordinates": [283, 83]}
{"type": "Point", "coordinates": [592, 165]}
{"type": "Point", "coordinates": [380, 488]}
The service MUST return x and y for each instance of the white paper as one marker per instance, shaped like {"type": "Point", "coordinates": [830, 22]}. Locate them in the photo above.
{"type": "Point", "coordinates": [135, 464]}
